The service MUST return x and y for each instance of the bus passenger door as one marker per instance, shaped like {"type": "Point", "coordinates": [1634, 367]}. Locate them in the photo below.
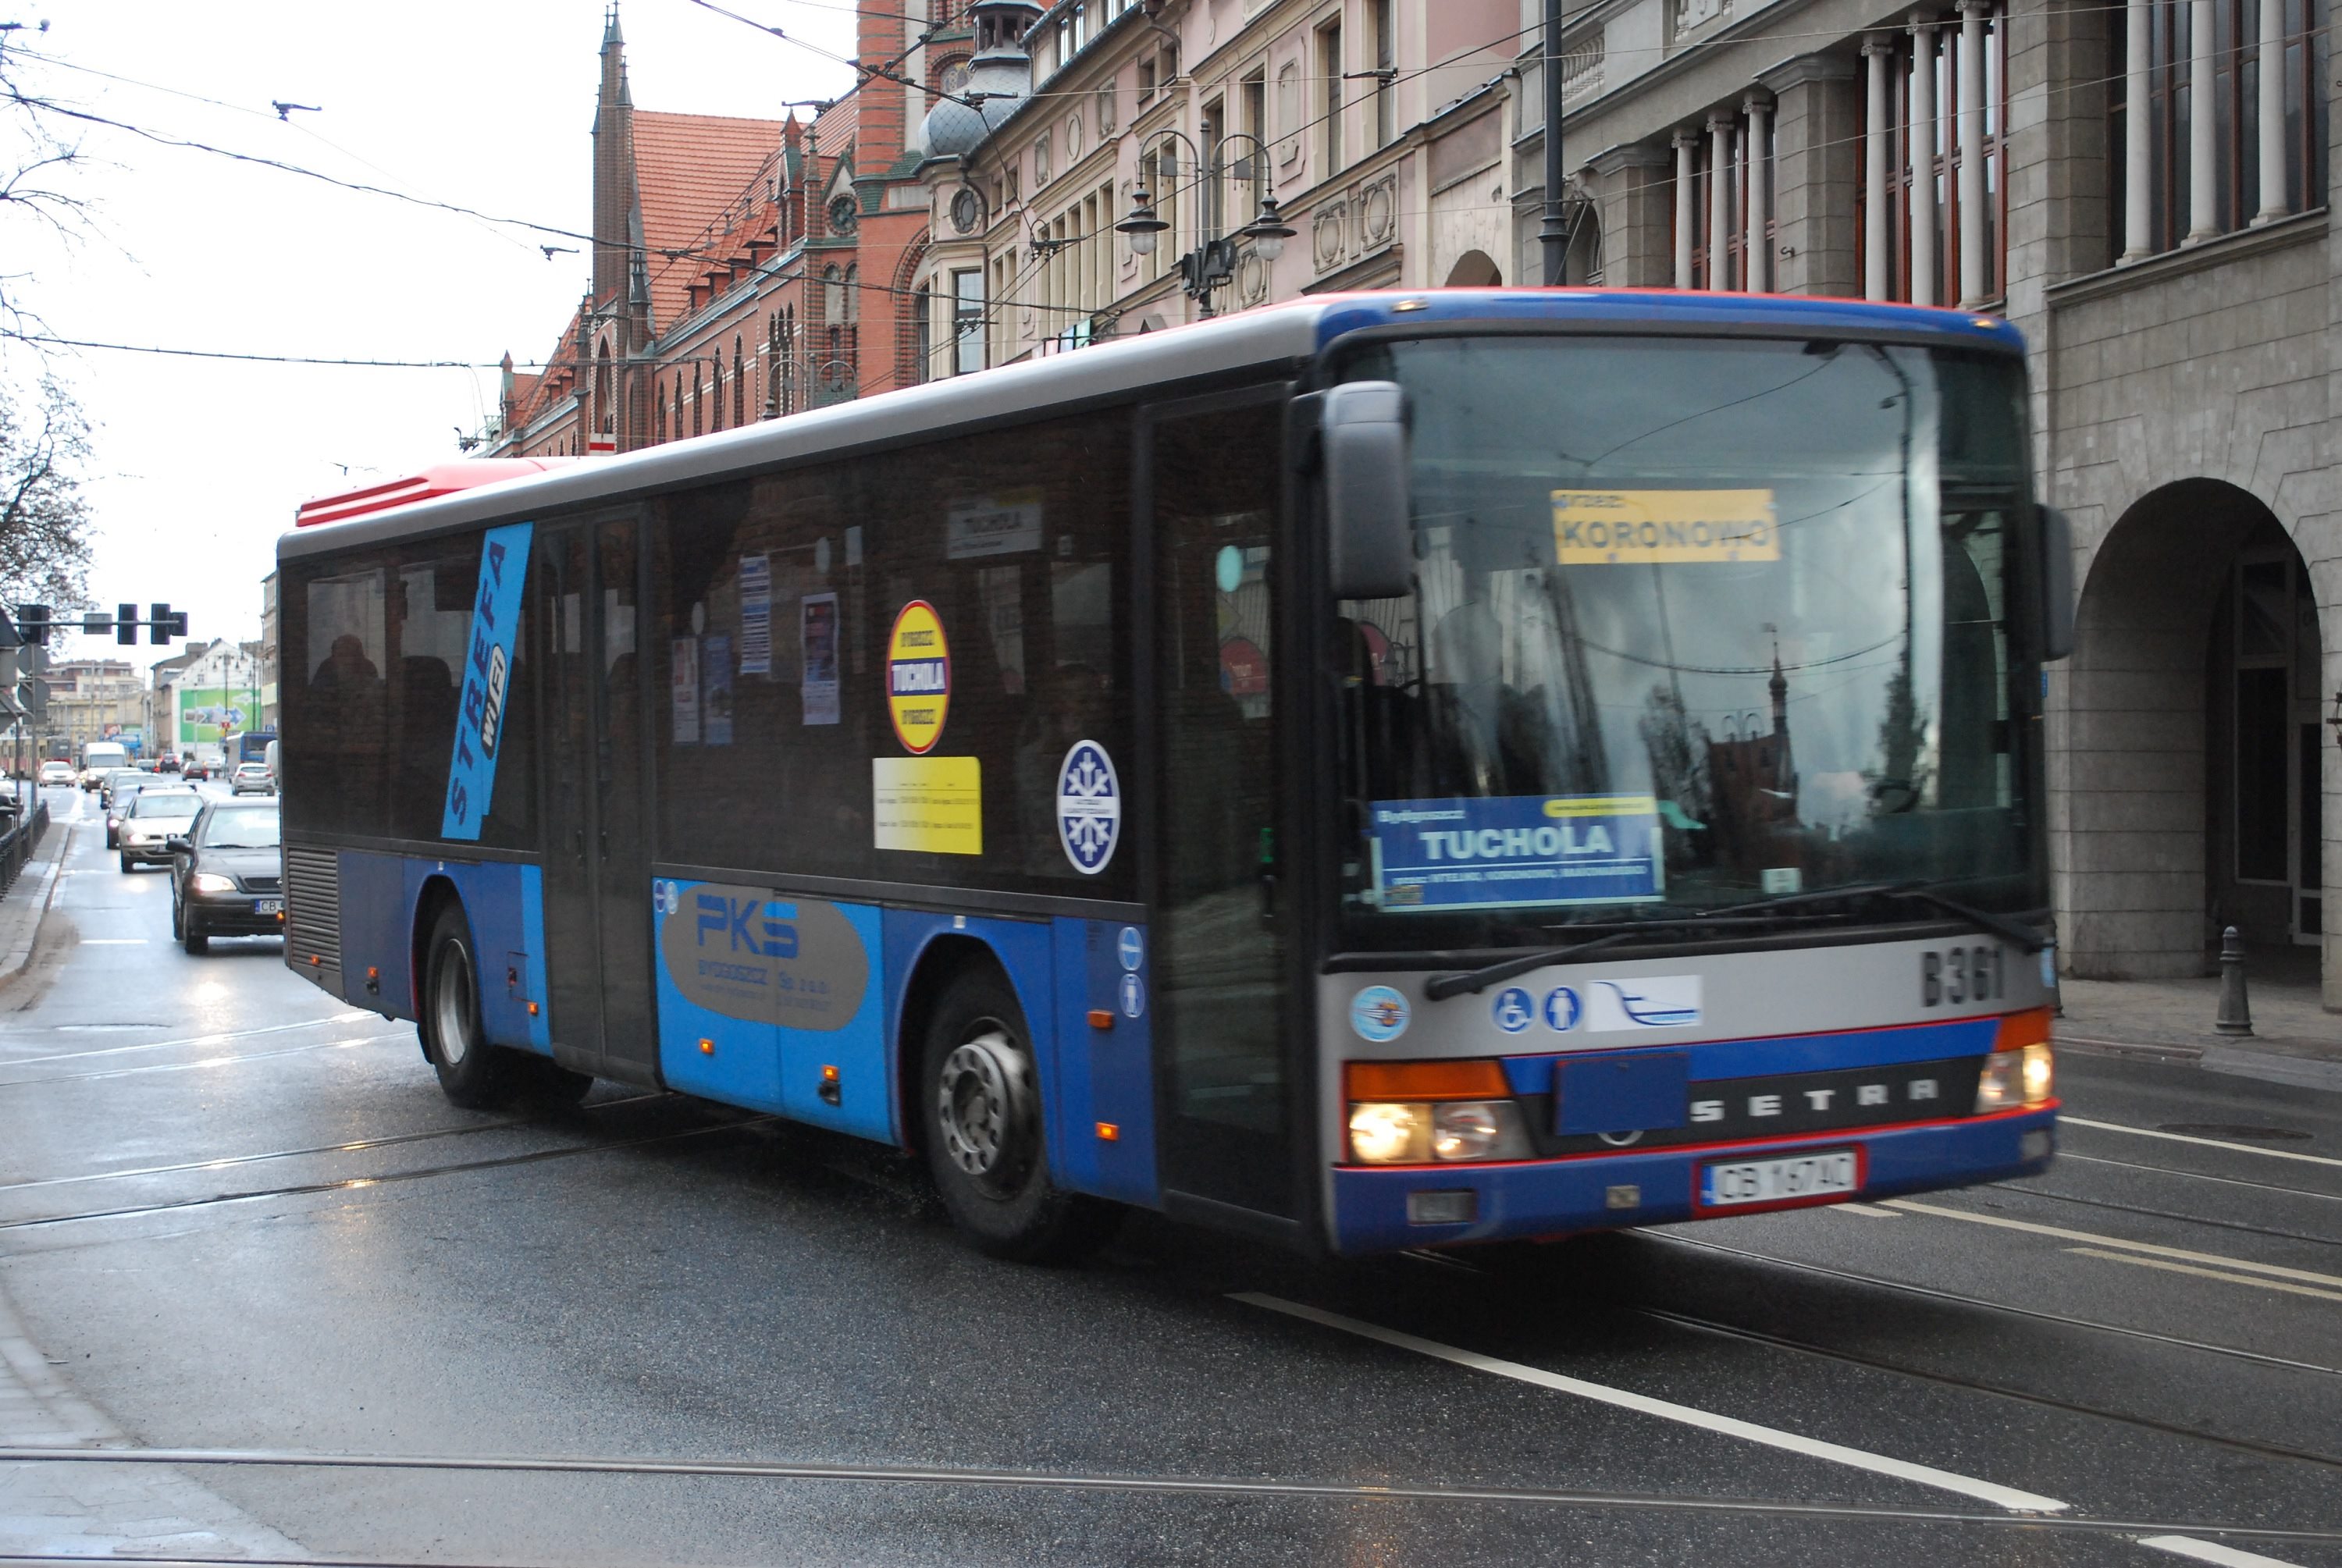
{"type": "Point", "coordinates": [572, 935]}
{"type": "Point", "coordinates": [597, 888]}
{"type": "Point", "coordinates": [1229, 1111]}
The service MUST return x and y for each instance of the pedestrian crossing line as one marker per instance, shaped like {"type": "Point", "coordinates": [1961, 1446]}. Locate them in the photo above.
{"type": "Point", "coordinates": [2217, 1260]}
{"type": "Point", "coordinates": [1999, 1496]}
{"type": "Point", "coordinates": [2210, 1552]}
{"type": "Point", "coordinates": [2065, 1121]}
{"type": "Point", "coordinates": [2115, 1257]}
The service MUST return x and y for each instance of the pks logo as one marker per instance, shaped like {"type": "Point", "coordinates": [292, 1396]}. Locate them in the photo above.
{"type": "Point", "coordinates": [746, 924]}
{"type": "Point", "coordinates": [1089, 807]}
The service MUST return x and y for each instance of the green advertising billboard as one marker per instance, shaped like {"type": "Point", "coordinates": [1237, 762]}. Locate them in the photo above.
{"type": "Point", "coordinates": [211, 713]}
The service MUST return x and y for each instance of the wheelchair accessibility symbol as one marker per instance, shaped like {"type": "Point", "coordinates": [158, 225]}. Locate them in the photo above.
{"type": "Point", "coordinates": [1513, 1010]}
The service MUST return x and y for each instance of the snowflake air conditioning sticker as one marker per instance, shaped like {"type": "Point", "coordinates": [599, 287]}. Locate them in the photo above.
{"type": "Point", "coordinates": [1089, 807]}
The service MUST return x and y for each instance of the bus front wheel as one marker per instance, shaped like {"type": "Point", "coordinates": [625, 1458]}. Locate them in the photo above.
{"type": "Point", "coordinates": [984, 1131]}
{"type": "Point", "coordinates": [471, 1071]}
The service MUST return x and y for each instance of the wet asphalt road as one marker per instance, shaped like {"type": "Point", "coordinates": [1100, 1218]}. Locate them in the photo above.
{"type": "Point", "coordinates": [235, 1215]}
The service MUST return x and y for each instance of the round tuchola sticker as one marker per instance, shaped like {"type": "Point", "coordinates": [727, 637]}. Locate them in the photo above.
{"type": "Point", "coordinates": [918, 677]}
{"type": "Point", "coordinates": [1089, 807]}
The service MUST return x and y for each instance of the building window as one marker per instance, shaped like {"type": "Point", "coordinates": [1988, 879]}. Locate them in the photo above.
{"type": "Point", "coordinates": [698, 399]}
{"type": "Point", "coordinates": [923, 302]}
{"type": "Point", "coordinates": [1146, 83]}
{"type": "Point", "coordinates": [658, 413]}
{"type": "Point", "coordinates": [2245, 121]}
{"type": "Point", "coordinates": [1928, 228]}
{"type": "Point", "coordinates": [1330, 72]}
{"type": "Point", "coordinates": [716, 392]}
{"type": "Point", "coordinates": [739, 384]}
{"type": "Point", "coordinates": [967, 321]}
{"type": "Point", "coordinates": [1381, 32]}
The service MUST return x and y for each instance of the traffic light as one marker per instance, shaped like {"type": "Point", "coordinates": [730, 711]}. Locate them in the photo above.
{"type": "Point", "coordinates": [165, 624]}
{"type": "Point", "coordinates": [32, 624]}
{"type": "Point", "coordinates": [95, 623]}
{"type": "Point", "coordinates": [125, 624]}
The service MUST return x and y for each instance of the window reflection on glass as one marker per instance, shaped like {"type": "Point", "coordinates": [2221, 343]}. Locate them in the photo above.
{"type": "Point", "coordinates": [1747, 604]}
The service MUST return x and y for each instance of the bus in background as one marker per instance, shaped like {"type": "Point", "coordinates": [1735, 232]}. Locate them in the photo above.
{"type": "Point", "coordinates": [251, 747]}
{"type": "Point", "coordinates": [1376, 772]}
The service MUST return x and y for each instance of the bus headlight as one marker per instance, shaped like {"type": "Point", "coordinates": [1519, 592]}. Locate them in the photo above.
{"type": "Point", "coordinates": [2025, 1076]}
{"type": "Point", "coordinates": [1477, 1129]}
{"type": "Point", "coordinates": [1387, 1132]}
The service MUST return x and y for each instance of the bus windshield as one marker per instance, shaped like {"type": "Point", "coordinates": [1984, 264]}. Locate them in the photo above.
{"type": "Point", "coordinates": [1694, 623]}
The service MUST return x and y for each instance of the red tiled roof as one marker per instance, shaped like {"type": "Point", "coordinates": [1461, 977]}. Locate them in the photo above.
{"type": "Point", "coordinates": [688, 170]}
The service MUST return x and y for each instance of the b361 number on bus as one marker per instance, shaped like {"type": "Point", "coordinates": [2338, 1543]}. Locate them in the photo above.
{"type": "Point", "coordinates": [1949, 976]}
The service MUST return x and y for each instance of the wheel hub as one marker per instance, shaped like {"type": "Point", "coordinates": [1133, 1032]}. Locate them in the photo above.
{"type": "Point", "coordinates": [453, 1016]}
{"type": "Point", "coordinates": [982, 1107]}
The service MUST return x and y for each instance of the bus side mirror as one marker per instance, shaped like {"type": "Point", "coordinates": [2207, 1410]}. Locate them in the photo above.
{"type": "Point", "coordinates": [1371, 528]}
{"type": "Point", "coordinates": [2056, 586]}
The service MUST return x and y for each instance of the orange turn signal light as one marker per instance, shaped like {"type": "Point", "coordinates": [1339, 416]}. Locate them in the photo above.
{"type": "Point", "coordinates": [828, 1075]}
{"type": "Point", "coordinates": [531, 1010]}
{"type": "Point", "coordinates": [1108, 1133]}
{"type": "Point", "coordinates": [372, 973]}
{"type": "Point", "coordinates": [1477, 1078]}
{"type": "Point", "coordinates": [1101, 1019]}
{"type": "Point", "coordinates": [708, 1047]}
{"type": "Point", "coordinates": [2018, 1030]}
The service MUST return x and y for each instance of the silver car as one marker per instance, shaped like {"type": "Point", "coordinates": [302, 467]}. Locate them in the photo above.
{"type": "Point", "coordinates": [157, 812]}
{"type": "Point", "coordinates": [252, 778]}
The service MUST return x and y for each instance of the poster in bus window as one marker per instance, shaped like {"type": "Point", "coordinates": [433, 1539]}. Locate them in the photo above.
{"type": "Point", "coordinates": [716, 690]}
{"type": "Point", "coordinates": [685, 681]}
{"type": "Point", "coordinates": [755, 614]}
{"type": "Point", "coordinates": [1515, 851]}
{"type": "Point", "coordinates": [818, 634]}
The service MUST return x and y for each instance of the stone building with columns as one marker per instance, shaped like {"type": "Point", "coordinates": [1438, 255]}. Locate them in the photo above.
{"type": "Point", "coordinates": [2145, 189]}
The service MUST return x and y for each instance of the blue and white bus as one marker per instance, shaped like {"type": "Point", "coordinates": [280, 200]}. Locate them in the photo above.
{"type": "Point", "coordinates": [1385, 771]}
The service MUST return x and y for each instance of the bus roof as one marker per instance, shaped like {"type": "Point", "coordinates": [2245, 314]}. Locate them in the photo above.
{"type": "Point", "coordinates": [1289, 333]}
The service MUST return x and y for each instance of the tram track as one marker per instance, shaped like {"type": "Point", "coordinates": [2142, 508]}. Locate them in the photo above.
{"type": "Point", "coordinates": [354, 1184]}
{"type": "Point", "coordinates": [2258, 1447]}
{"type": "Point", "coordinates": [234, 1059]}
{"type": "Point", "coordinates": [1128, 1483]}
{"type": "Point", "coordinates": [2063, 1319]}
{"type": "Point", "coordinates": [2237, 1226]}
{"type": "Point", "coordinates": [2066, 1154]}
{"type": "Point", "coordinates": [352, 1146]}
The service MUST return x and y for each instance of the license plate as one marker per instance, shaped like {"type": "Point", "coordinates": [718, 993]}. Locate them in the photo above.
{"type": "Point", "coordinates": [1723, 1185]}
{"type": "Point", "coordinates": [267, 906]}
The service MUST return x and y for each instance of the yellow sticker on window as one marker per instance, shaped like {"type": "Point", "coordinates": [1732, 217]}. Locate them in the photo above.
{"type": "Point", "coordinates": [931, 805]}
{"type": "Point", "coordinates": [1625, 527]}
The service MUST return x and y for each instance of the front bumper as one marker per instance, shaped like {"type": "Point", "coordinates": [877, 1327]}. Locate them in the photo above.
{"type": "Point", "coordinates": [233, 914]}
{"type": "Point", "coordinates": [1559, 1197]}
{"type": "Point", "coordinates": [154, 853]}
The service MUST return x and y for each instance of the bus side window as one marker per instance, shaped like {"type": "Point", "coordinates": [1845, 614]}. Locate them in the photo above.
{"type": "Point", "coordinates": [344, 698]}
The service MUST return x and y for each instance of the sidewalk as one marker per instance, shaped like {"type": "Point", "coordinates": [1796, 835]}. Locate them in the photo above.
{"type": "Point", "coordinates": [2294, 1040]}
{"type": "Point", "coordinates": [28, 898]}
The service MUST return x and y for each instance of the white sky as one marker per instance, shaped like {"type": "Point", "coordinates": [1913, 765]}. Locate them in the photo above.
{"type": "Point", "coordinates": [199, 463]}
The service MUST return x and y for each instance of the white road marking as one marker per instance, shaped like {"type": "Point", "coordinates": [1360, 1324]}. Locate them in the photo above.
{"type": "Point", "coordinates": [1871, 1211]}
{"type": "Point", "coordinates": [2065, 1120]}
{"type": "Point", "coordinates": [2063, 1234]}
{"type": "Point", "coordinates": [114, 941]}
{"type": "Point", "coordinates": [2114, 1257]}
{"type": "Point", "coordinates": [2211, 1552]}
{"type": "Point", "coordinates": [1999, 1496]}
{"type": "Point", "coordinates": [223, 1039]}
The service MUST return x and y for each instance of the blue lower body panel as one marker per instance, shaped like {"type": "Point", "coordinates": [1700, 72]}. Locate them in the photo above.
{"type": "Point", "coordinates": [1556, 1197]}
{"type": "Point", "coordinates": [504, 902]}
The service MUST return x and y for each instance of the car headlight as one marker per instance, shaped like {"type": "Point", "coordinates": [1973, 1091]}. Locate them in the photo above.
{"type": "Point", "coordinates": [211, 882]}
{"type": "Point", "coordinates": [2025, 1076]}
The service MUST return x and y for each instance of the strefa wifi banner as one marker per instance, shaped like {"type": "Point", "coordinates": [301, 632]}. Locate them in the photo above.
{"type": "Point", "coordinates": [1626, 527]}
{"type": "Point", "coordinates": [1516, 850]}
{"type": "Point", "coordinates": [488, 676]}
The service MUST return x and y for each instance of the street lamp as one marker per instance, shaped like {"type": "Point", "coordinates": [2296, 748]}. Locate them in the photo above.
{"type": "Point", "coordinates": [1212, 262]}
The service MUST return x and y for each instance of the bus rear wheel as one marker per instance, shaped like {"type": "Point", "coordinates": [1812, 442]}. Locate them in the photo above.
{"type": "Point", "coordinates": [981, 1104]}
{"type": "Point", "coordinates": [473, 1072]}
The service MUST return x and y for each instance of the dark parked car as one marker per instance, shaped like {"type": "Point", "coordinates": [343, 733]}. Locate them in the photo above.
{"type": "Point", "coordinates": [227, 874]}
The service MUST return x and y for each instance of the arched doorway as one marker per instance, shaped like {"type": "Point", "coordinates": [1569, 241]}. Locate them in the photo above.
{"type": "Point", "coordinates": [1475, 269]}
{"type": "Point", "coordinates": [2190, 797]}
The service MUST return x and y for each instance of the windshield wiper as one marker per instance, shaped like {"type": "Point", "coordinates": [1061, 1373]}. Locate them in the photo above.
{"type": "Point", "coordinates": [1439, 987]}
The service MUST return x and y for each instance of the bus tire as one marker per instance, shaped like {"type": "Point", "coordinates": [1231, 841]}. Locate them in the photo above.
{"type": "Point", "coordinates": [473, 1074]}
{"type": "Point", "coordinates": [980, 1106]}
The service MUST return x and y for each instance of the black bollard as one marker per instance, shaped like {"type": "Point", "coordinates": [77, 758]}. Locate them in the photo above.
{"type": "Point", "coordinates": [2235, 1007]}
